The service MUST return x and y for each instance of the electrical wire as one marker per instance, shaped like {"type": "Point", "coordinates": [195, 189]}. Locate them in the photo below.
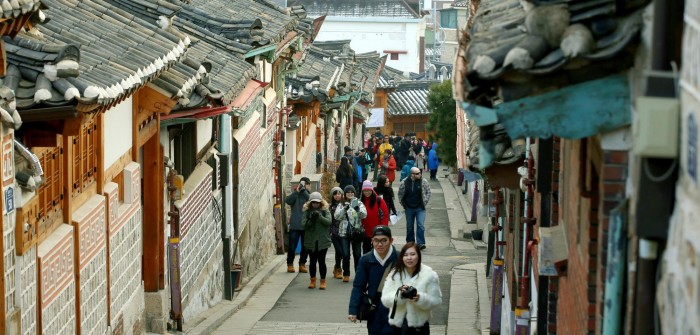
{"type": "Point", "coordinates": [663, 176]}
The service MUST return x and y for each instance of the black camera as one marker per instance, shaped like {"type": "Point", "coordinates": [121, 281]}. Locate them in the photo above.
{"type": "Point", "coordinates": [409, 293]}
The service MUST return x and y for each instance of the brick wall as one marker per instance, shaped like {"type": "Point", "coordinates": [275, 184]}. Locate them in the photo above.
{"type": "Point", "coordinates": [256, 199]}
{"type": "Point", "coordinates": [200, 238]}
{"type": "Point", "coordinates": [89, 224]}
{"type": "Point", "coordinates": [612, 192]}
{"type": "Point", "coordinates": [574, 303]}
{"type": "Point", "coordinates": [55, 257]}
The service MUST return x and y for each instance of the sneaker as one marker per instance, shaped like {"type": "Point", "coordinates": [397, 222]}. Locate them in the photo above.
{"type": "Point", "coordinates": [421, 246]}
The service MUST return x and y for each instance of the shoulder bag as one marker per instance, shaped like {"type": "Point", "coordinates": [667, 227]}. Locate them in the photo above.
{"type": "Point", "coordinates": [367, 307]}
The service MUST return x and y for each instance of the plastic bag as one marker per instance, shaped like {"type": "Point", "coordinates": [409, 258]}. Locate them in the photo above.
{"type": "Point", "coordinates": [393, 219]}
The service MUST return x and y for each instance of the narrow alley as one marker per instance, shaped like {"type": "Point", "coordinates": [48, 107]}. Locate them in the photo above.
{"type": "Point", "coordinates": [283, 304]}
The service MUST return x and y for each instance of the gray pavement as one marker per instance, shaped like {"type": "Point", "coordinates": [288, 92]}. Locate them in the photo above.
{"type": "Point", "coordinates": [281, 303]}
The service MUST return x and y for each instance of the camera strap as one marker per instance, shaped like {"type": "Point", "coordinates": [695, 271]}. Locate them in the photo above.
{"type": "Point", "coordinates": [396, 297]}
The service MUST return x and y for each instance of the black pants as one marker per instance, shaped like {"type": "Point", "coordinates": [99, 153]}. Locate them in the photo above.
{"type": "Point", "coordinates": [433, 174]}
{"type": "Point", "coordinates": [406, 330]}
{"type": "Point", "coordinates": [318, 256]}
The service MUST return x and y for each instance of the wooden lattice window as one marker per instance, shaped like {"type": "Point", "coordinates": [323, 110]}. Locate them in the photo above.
{"type": "Point", "coordinates": [85, 160]}
{"type": "Point", "coordinates": [50, 193]}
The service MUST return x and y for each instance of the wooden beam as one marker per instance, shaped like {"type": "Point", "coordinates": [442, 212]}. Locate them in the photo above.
{"type": "Point", "coordinates": [72, 126]}
{"type": "Point", "coordinates": [149, 101]}
{"type": "Point", "coordinates": [153, 239]}
{"type": "Point", "coordinates": [100, 153]}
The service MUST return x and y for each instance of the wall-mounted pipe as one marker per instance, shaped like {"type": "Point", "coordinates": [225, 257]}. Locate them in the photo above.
{"type": "Point", "coordinates": [37, 178]}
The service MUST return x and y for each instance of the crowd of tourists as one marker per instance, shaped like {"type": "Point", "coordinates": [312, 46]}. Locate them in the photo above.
{"type": "Point", "coordinates": [391, 289]}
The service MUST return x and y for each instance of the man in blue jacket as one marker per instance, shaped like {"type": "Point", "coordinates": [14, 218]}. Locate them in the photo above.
{"type": "Point", "coordinates": [369, 277]}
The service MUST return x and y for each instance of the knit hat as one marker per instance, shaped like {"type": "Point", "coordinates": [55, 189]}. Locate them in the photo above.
{"type": "Point", "coordinates": [367, 185]}
{"type": "Point", "coordinates": [381, 230]}
{"type": "Point", "coordinates": [336, 190]}
{"type": "Point", "coordinates": [349, 189]}
{"type": "Point", "coordinates": [315, 196]}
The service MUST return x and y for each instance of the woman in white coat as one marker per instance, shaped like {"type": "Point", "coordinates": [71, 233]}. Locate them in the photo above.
{"type": "Point", "coordinates": [409, 309]}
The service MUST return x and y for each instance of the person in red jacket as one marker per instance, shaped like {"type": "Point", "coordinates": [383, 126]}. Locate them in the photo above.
{"type": "Point", "coordinates": [377, 213]}
{"type": "Point", "coordinates": [389, 166]}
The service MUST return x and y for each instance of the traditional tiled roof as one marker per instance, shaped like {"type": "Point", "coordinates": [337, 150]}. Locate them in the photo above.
{"type": "Point", "coordinates": [90, 54]}
{"type": "Point", "coordinates": [15, 9]}
{"type": "Point", "coordinates": [409, 98]}
{"type": "Point", "coordinates": [369, 65]}
{"type": "Point", "coordinates": [357, 8]}
{"type": "Point", "coordinates": [222, 32]}
{"type": "Point", "coordinates": [461, 3]}
{"type": "Point", "coordinates": [334, 65]}
{"type": "Point", "coordinates": [515, 36]}
{"type": "Point", "coordinates": [390, 77]}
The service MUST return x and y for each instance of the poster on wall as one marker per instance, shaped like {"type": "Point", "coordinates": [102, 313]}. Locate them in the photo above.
{"type": "Point", "coordinates": [376, 118]}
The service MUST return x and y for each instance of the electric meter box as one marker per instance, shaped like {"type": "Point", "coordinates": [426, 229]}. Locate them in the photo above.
{"type": "Point", "coordinates": [656, 127]}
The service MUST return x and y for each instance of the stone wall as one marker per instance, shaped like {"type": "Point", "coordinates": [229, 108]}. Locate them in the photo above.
{"type": "Point", "coordinates": [679, 289]}
{"type": "Point", "coordinates": [256, 192]}
{"type": "Point", "coordinates": [200, 243]}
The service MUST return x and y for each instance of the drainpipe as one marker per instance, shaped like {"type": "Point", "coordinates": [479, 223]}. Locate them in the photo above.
{"type": "Point", "coordinates": [522, 312]}
{"type": "Point", "coordinates": [280, 210]}
{"type": "Point", "coordinates": [225, 138]}
{"type": "Point", "coordinates": [497, 278]}
{"type": "Point", "coordinates": [31, 182]}
{"type": "Point", "coordinates": [174, 253]}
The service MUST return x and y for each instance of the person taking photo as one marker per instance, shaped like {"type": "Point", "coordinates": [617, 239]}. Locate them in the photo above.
{"type": "Point", "coordinates": [411, 292]}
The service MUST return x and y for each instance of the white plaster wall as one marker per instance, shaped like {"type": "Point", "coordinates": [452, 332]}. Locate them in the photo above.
{"type": "Point", "coordinates": [204, 132]}
{"type": "Point", "coordinates": [371, 34]}
{"type": "Point", "coordinates": [117, 122]}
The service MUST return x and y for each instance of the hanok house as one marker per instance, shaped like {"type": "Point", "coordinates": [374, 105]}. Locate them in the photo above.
{"type": "Point", "coordinates": [223, 139]}
{"type": "Point", "coordinates": [325, 115]}
{"type": "Point", "coordinates": [556, 91]}
{"type": "Point", "coordinates": [407, 108]}
{"type": "Point", "coordinates": [78, 210]}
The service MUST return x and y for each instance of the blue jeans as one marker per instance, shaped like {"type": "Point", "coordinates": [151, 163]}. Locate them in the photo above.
{"type": "Point", "coordinates": [356, 254]}
{"type": "Point", "coordinates": [294, 237]}
{"type": "Point", "coordinates": [416, 215]}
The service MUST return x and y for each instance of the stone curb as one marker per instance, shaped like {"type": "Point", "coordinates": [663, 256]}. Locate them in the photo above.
{"type": "Point", "coordinates": [217, 315]}
{"type": "Point", "coordinates": [483, 295]}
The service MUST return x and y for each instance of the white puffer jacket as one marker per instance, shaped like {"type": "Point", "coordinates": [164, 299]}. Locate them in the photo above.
{"type": "Point", "coordinates": [416, 313]}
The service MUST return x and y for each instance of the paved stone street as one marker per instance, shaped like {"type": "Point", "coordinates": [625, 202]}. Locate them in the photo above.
{"type": "Point", "coordinates": [284, 305]}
